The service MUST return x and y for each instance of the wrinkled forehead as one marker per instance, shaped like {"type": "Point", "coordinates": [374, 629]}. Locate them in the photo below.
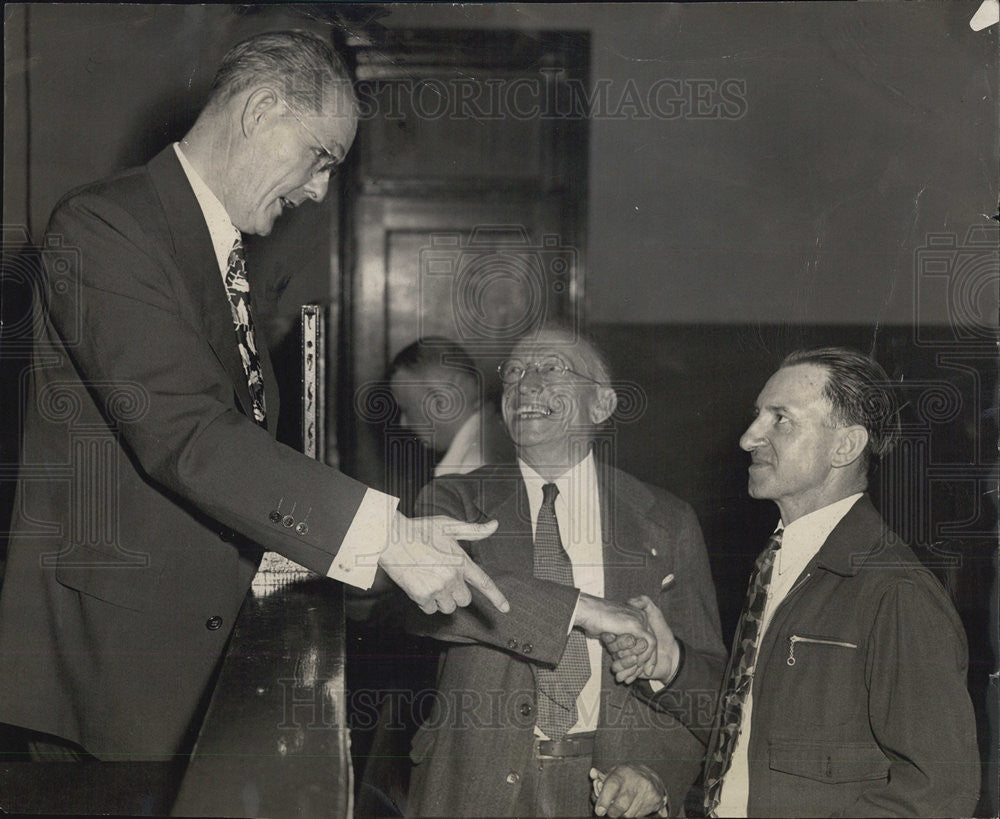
{"type": "Point", "coordinates": [799, 386]}
{"type": "Point", "coordinates": [575, 352]}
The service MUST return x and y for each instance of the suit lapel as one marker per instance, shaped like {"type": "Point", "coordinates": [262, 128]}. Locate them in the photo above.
{"type": "Point", "coordinates": [505, 499]}
{"type": "Point", "coordinates": [626, 533]}
{"type": "Point", "coordinates": [195, 258]}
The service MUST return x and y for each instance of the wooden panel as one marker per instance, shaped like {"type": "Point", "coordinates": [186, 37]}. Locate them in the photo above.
{"type": "Point", "coordinates": [274, 739]}
{"type": "Point", "coordinates": [465, 211]}
{"type": "Point", "coordinates": [426, 113]}
{"type": "Point", "coordinates": [479, 270]}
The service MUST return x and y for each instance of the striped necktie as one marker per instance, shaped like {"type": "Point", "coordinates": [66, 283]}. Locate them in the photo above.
{"type": "Point", "coordinates": [558, 688]}
{"type": "Point", "coordinates": [740, 679]}
{"type": "Point", "coordinates": [238, 289]}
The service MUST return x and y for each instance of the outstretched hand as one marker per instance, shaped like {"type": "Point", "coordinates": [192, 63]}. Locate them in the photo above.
{"type": "Point", "coordinates": [424, 559]}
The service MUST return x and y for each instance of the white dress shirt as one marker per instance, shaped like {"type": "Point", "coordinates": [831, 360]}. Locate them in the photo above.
{"type": "Point", "coordinates": [578, 513]}
{"type": "Point", "coordinates": [466, 451]}
{"type": "Point", "coordinates": [800, 541]}
{"type": "Point", "coordinates": [356, 562]}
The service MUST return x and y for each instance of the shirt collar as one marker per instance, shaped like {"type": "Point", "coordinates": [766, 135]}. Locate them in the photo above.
{"type": "Point", "coordinates": [464, 454]}
{"type": "Point", "coordinates": [803, 537]}
{"type": "Point", "coordinates": [221, 229]}
{"type": "Point", "coordinates": [581, 474]}
{"type": "Point", "coordinates": [578, 504]}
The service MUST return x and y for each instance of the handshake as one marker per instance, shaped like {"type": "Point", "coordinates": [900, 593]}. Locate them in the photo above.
{"type": "Point", "coordinates": [636, 635]}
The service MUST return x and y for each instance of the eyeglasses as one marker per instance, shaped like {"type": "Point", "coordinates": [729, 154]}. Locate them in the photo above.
{"type": "Point", "coordinates": [549, 369]}
{"type": "Point", "coordinates": [326, 162]}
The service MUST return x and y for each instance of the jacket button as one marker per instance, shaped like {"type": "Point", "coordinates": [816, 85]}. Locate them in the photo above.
{"type": "Point", "coordinates": [302, 528]}
{"type": "Point", "coordinates": [287, 521]}
{"type": "Point", "coordinates": [512, 644]}
{"type": "Point", "coordinates": [227, 535]}
{"type": "Point", "coordinates": [525, 709]}
{"type": "Point", "coordinates": [275, 516]}
{"type": "Point", "coordinates": [512, 777]}
{"type": "Point", "coordinates": [213, 623]}
{"type": "Point", "coordinates": [527, 648]}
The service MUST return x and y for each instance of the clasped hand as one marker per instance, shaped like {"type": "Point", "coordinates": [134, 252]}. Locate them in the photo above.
{"type": "Point", "coordinates": [636, 635]}
{"type": "Point", "coordinates": [629, 790]}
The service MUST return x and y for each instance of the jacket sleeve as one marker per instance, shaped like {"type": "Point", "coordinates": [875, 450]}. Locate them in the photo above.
{"type": "Point", "coordinates": [919, 707]}
{"type": "Point", "coordinates": [181, 425]}
{"type": "Point", "coordinates": [689, 607]}
{"type": "Point", "coordinates": [541, 612]}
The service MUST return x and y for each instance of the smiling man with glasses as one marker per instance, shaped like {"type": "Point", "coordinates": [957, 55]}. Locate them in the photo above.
{"type": "Point", "coordinates": [531, 718]}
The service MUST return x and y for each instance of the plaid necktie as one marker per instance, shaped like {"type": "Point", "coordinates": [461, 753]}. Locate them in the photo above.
{"type": "Point", "coordinates": [740, 679]}
{"type": "Point", "coordinates": [238, 289]}
{"type": "Point", "coordinates": [558, 688]}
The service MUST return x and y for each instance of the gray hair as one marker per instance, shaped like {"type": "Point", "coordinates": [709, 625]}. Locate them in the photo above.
{"type": "Point", "coordinates": [306, 68]}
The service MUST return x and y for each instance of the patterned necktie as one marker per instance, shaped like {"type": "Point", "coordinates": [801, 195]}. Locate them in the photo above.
{"type": "Point", "coordinates": [559, 687]}
{"type": "Point", "coordinates": [238, 289]}
{"type": "Point", "coordinates": [740, 679]}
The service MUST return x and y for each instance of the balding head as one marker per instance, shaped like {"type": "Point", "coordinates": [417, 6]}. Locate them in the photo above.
{"type": "Point", "coordinates": [557, 393]}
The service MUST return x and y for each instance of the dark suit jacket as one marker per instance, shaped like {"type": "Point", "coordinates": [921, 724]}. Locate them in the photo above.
{"type": "Point", "coordinates": [471, 752]}
{"type": "Point", "coordinates": [881, 726]}
{"type": "Point", "coordinates": [144, 484]}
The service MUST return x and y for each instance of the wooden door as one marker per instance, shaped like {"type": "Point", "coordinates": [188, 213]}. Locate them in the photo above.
{"type": "Point", "coordinates": [465, 209]}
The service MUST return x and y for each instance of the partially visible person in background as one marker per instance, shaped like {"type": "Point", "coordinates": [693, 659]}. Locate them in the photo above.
{"type": "Point", "coordinates": [442, 401]}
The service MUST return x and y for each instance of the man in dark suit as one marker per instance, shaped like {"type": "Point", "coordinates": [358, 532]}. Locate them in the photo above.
{"type": "Point", "coordinates": [846, 692]}
{"type": "Point", "coordinates": [528, 709]}
{"type": "Point", "coordinates": [153, 388]}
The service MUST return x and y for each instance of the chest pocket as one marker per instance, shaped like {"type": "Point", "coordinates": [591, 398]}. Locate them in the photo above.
{"type": "Point", "coordinates": [805, 641]}
{"type": "Point", "coordinates": [823, 678]}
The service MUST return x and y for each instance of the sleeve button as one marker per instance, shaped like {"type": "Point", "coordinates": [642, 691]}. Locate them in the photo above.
{"type": "Point", "coordinates": [512, 778]}
{"type": "Point", "coordinates": [302, 528]}
{"type": "Point", "coordinates": [512, 644]}
{"type": "Point", "coordinates": [275, 516]}
{"type": "Point", "coordinates": [287, 521]}
{"type": "Point", "coordinates": [527, 648]}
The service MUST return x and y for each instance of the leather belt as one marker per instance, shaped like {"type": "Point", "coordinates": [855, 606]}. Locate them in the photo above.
{"type": "Point", "coordinates": [581, 744]}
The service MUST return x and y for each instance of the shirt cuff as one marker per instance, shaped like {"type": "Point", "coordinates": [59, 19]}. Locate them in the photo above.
{"type": "Point", "coordinates": [658, 685]}
{"type": "Point", "coordinates": [356, 562]}
{"type": "Point", "coordinates": [572, 620]}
